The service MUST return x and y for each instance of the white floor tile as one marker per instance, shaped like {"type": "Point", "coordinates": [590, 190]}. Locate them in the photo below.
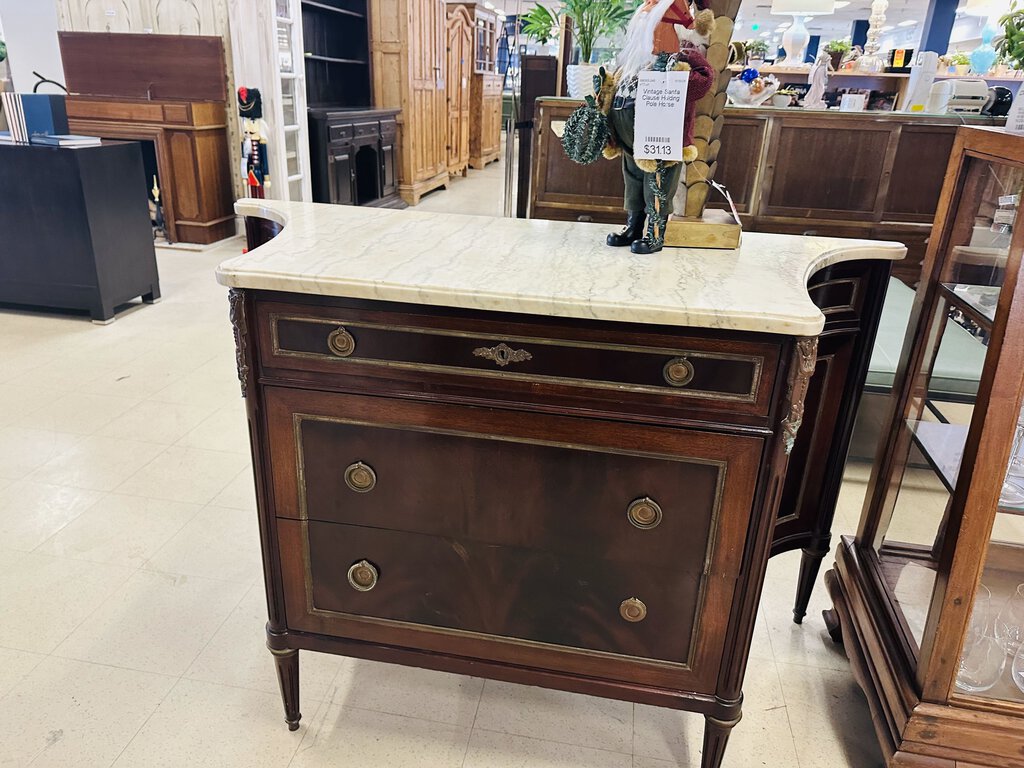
{"type": "Point", "coordinates": [31, 512]}
{"type": "Point", "coordinates": [23, 449]}
{"type": "Point", "coordinates": [407, 691]}
{"type": "Point", "coordinates": [154, 623]}
{"type": "Point", "coordinates": [122, 530]}
{"type": "Point", "coordinates": [343, 737]}
{"type": "Point", "coordinates": [830, 718]}
{"type": "Point", "coordinates": [43, 598]}
{"type": "Point", "coordinates": [67, 714]}
{"type": "Point", "coordinates": [218, 543]}
{"type": "Point", "coordinates": [77, 412]}
{"type": "Point", "coordinates": [14, 666]}
{"type": "Point", "coordinates": [240, 493]}
{"type": "Point", "coordinates": [155, 422]}
{"type": "Point", "coordinates": [185, 474]}
{"type": "Point", "coordinates": [98, 463]}
{"type": "Point", "coordinates": [488, 749]}
{"type": "Point", "coordinates": [569, 718]}
{"type": "Point", "coordinates": [201, 724]}
{"type": "Point", "coordinates": [226, 430]}
{"type": "Point", "coordinates": [237, 655]}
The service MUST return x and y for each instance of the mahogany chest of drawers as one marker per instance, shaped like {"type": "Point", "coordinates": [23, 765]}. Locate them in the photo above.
{"type": "Point", "coordinates": [577, 504]}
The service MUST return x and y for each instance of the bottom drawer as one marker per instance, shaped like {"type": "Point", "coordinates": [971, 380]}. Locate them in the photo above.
{"type": "Point", "coordinates": [510, 592]}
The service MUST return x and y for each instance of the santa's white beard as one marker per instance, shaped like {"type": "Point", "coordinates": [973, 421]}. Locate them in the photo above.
{"type": "Point", "coordinates": [637, 49]}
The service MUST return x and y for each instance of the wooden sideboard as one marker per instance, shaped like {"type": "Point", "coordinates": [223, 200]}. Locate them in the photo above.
{"type": "Point", "coordinates": [168, 89]}
{"type": "Point", "coordinates": [458, 479]}
{"type": "Point", "coordinates": [353, 162]}
{"type": "Point", "coordinates": [841, 174]}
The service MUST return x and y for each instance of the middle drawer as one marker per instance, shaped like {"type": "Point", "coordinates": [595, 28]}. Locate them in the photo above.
{"type": "Point", "coordinates": [611, 491]}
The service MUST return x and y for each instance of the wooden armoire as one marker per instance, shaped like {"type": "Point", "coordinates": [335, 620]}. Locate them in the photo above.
{"type": "Point", "coordinates": [409, 61]}
{"type": "Point", "coordinates": [459, 42]}
{"type": "Point", "coordinates": [485, 85]}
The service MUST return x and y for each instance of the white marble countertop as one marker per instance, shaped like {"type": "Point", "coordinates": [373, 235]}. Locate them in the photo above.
{"type": "Point", "coordinates": [538, 267]}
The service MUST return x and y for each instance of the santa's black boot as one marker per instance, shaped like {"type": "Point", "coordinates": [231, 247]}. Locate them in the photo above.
{"type": "Point", "coordinates": [646, 245]}
{"type": "Point", "coordinates": [633, 231]}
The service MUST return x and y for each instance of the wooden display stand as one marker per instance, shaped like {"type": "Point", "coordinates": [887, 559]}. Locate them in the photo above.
{"type": "Point", "coordinates": [715, 229]}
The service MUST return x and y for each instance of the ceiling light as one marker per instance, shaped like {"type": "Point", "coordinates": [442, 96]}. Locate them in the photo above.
{"type": "Point", "coordinates": [841, 4]}
{"type": "Point", "coordinates": [890, 28]}
{"type": "Point", "coordinates": [907, 23]}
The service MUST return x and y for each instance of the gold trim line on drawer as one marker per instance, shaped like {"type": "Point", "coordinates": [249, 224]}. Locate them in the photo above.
{"type": "Point", "coordinates": [300, 468]}
{"type": "Point", "coordinates": [750, 397]}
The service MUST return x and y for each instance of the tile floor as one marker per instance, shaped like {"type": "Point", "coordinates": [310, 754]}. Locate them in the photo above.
{"type": "Point", "coordinates": [131, 606]}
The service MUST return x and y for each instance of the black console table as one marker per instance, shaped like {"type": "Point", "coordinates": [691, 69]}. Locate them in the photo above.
{"type": "Point", "coordinates": [74, 228]}
{"type": "Point", "coordinates": [352, 154]}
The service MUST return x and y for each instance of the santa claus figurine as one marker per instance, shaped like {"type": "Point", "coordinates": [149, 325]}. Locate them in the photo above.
{"type": "Point", "coordinates": [653, 43]}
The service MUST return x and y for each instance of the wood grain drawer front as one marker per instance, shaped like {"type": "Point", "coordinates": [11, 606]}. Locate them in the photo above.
{"type": "Point", "coordinates": [692, 370]}
{"type": "Point", "coordinates": [367, 129]}
{"type": "Point", "coordinates": [339, 132]}
{"type": "Point", "coordinates": [503, 489]}
{"type": "Point", "coordinates": [507, 592]}
{"type": "Point", "coordinates": [473, 494]}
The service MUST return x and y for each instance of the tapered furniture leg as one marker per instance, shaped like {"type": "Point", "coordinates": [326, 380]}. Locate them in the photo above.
{"type": "Point", "coordinates": [716, 736]}
{"type": "Point", "coordinates": [810, 564]}
{"type": "Point", "coordinates": [287, 663]}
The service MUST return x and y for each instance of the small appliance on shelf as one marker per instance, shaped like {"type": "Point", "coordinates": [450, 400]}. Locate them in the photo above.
{"type": "Point", "coordinates": [963, 97]}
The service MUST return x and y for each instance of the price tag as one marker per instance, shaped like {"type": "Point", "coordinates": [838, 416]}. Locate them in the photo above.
{"type": "Point", "coordinates": [660, 112]}
{"type": "Point", "coordinates": [1015, 117]}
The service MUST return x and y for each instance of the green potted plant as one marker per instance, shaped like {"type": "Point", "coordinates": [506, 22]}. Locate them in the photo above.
{"type": "Point", "coordinates": [836, 49]}
{"type": "Point", "coordinates": [1010, 43]}
{"type": "Point", "coordinates": [960, 63]}
{"type": "Point", "coordinates": [540, 24]}
{"type": "Point", "coordinates": [756, 51]}
{"type": "Point", "coordinates": [591, 19]}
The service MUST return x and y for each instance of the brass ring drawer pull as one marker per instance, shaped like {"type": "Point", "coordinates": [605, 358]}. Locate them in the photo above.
{"type": "Point", "coordinates": [360, 477]}
{"type": "Point", "coordinates": [340, 342]}
{"type": "Point", "coordinates": [633, 610]}
{"type": "Point", "coordinates": [644, 513]}
{"type": "Point", "coordinates": [362, 576]}
{"type": "Point", "coordinates": [678, 372]}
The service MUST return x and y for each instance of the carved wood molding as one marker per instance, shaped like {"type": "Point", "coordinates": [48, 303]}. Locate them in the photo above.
{"type": "Point", "coordinates": [799, 378]}
{"type": "Point", "coordinates": [236, 299]}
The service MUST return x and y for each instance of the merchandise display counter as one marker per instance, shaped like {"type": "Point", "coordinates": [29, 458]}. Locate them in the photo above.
{"type": "Point", "coordinates": [465, 429]}
{"type": "Point", "coordinates": [842, 174]}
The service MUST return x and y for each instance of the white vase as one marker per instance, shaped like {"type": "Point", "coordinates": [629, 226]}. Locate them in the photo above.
{"type": "Point", "coordinates": [579, 78]}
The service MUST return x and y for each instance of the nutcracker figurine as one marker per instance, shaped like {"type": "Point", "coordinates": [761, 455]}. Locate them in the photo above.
{"type": "Point", "coordinates": [255, 165]}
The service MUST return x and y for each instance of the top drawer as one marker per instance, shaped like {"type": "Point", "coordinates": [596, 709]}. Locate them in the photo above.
{"type": "Point", "coordinates": [340, 132]}
{"type": "Point", "coordinates": [603, 368]}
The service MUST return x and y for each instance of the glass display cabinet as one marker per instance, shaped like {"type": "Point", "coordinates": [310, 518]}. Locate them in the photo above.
{"type": "Point", "coordinates": [929, 596]}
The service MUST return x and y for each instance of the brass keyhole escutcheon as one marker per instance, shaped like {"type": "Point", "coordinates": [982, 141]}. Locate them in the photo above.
{"type": "Point", "coordinates": [678, 371]}
{"type": "Point", "coordinates": [362, 576]}
{"type": "Point", "coordinates": [633, 610]}
{"type": "Point", "coordinates": [360, 477]}
{"type": "Point", "coordinates": [340, 342]}
{"type": "Point", "coordinates": [644, 513]}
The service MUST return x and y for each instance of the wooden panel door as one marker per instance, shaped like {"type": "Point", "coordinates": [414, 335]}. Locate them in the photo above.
{"type": "Point", "coordinates": [425, 116]}
{"type": "Point", "coordinates": [460, 51]}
